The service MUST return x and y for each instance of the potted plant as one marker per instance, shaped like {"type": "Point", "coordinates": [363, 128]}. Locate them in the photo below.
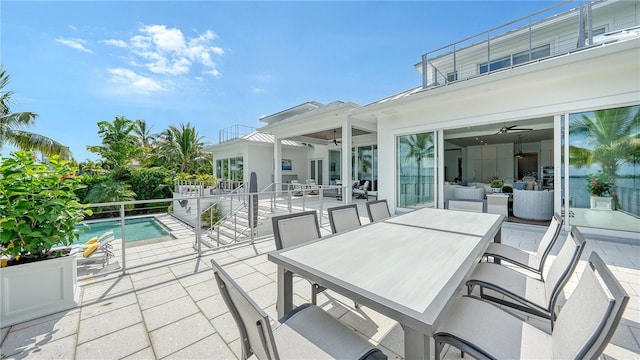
{"type": "Point", "coordinates": [599, 185]}
{"type": "Point", "coordinates": [39, 210]}
{"type": "Point", "coordinates": [496, 185]}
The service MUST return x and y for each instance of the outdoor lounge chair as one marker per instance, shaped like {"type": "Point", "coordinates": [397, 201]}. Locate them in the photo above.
{"type": "Point", "coordinates": [294, 229]}
{"type": "Point", "coordinates": [313, 187]}
{"type": "Point", "coordinates": [378, 210]}
{"type": "Point", "coordinates": [361, 192]}
{"type": "Point", "coordinates": [535, 296]}
{"type": "Point", "coordinates": [94, 251]}
{"type": "Point", "coordinates": [523, 259]}
{"type": "Point", "coordinates": [307, 332]}
{"type": "Point", "coordinates": [583, 328]}
{"type": "Point", "coordinates": [344, 218]}
{"type": "Point", "coordinates": [296, 188]}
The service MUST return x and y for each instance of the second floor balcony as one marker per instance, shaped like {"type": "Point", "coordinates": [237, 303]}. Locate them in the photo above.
{"type": "Point", "coordinates": [557, 30]}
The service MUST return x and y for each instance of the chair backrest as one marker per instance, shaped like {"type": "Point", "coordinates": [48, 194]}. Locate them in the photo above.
{"type": "Point", "coordinates": [365, 186]}
{"type": "Point", "coordinates": [589, 318]}
{"type": "Point", "coordinates": [343, 218]}
{"type": "Point", "coordinates": [548, 240]}
{"type": "Point", "coordinates": [256, 336]}
{"type": "Point", "coordinates": [105, 235]}
{"type": "Point", "coordinates": [294, 229]}
{"type": "Point", "coordinates": [466, 205]}
{"type": "Point", "coordinates": [562, 268]}
{"type": "Point", "coordinates": [378, 210]}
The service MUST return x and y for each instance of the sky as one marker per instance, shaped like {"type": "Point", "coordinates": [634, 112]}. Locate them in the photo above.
{"type": "Point", "coordinates": [215, 64]}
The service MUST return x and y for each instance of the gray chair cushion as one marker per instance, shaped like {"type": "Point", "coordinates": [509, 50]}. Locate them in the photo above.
{"type": "Point", "coordinates": [298, 337]}
{"type": "Point", "coordinates": [495, 332]}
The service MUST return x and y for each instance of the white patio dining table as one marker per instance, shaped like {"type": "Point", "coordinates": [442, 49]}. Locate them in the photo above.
{"type": "Point", "coordinates": [408, 267]}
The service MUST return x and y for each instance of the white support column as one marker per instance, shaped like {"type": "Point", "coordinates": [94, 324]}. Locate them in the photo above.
{"type": "Point", "coordinates": [277, 164]}
{"type": "Point", "coordinates": [346, 162]}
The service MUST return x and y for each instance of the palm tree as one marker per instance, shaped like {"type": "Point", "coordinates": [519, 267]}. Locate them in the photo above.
{"type": "Point", "coordinates": [12, 127]}
{"type": "Point", "coordinates": [614, 135]}
{"type": "Point", "coordinates": [420, 146]}
{"type": "Point", "coordinates": [119, 145]}
{"type": "Point", "coordinates": [110, 191]}
{"type": "Point", "coordinates": [143, 132]}
{"type": "Point", "coordinates": [182, 147]}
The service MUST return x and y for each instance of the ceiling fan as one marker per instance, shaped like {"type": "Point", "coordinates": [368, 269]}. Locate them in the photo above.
{"type": "Point", "coordinates": [505, 129]}
{"type": "Point", "coordinates": [336, 142]}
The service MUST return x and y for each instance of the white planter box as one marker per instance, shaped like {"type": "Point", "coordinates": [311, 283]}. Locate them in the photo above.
{"type": "Point", "coordinates": [37, 289]}
{"type": "Point", "coordinates": [601, 203]}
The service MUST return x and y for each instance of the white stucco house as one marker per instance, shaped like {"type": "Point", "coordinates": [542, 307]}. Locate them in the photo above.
{"type": "Point", "coordinates": [512, 103]}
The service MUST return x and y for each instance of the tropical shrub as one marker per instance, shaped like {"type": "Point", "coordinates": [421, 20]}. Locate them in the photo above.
{"type": "Point", "coordinates": [39, 208]}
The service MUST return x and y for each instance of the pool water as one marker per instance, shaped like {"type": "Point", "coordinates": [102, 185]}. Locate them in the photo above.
{"type": "Point", "coordinates": [135, 229]}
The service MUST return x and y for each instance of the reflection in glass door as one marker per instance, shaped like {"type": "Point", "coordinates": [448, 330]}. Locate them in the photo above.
{"type": "Point", "coordinates": [416, 170]}
{"type": "Point", "coordinates": [316, 171]}
{"type": "Point", "coordinates": [603, 171]}
{"type": "Point", "coordinates": [334, 165]}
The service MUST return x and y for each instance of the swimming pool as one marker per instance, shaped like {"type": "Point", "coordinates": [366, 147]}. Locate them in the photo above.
{"type": "Point", "coordinates": [136, 230]}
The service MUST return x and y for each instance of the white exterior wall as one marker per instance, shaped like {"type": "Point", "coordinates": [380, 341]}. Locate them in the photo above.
{"type": "Point", "coordinates": [299, 162]}
{"type": "Point", "coordinates": [598, 78]}
{"type": "Point", "coordinates": [260, 160]}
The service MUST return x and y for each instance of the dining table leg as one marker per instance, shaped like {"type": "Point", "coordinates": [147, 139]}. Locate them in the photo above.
{"type": "Point", "coordinates": [416, 344]}
{"type": "Point", "coordinates": [285, 292]}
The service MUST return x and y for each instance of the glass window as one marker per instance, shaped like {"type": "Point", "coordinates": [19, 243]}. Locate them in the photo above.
{"type": "Point", "coordinates": [496, 64]}
{"type": "Point", "coordinates": [603, 169]}
{"type": "Point", "coordinates": [334, 165]}
{"type": "Point", "coordinates": [536, 53]}
{"type": "Point", "coordinates": [416, 165]}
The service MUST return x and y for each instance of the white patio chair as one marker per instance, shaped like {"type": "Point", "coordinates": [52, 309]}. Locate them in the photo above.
{"type": "Point", "coordinates": [583, 328]}
{"type": "Point", "coordinates": [378, 210]}
{"type": "Point", "coordinates": [94, 252]}
{"type": "Point", "coordinates": [307, 332]}
{"type": "Point", "coordinates": [296, 188]}
{"type": "Point", "coordinates": [361, 192]}
{"type": "Point", "coordinates": [343, 218]}
{"type": "Point", "coordinates": [294, 229]}
{"type": "Point", "coordinates": [313, 187]}
{"type": "Point", "coordinates": [525, 293]}
{"type": "Point", "coordinates": [532, 262]}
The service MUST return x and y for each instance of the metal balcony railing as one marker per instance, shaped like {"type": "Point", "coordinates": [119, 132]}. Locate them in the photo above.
{"type": "Point", "coordinates": [556, 30]}
{"type": "Point", "coordinates": [234, 132]}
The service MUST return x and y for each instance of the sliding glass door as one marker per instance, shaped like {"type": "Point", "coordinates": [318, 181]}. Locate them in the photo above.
{"type": "Point", "coordinates": [603, 171]}
{"type": "Point", "coordinates": [416, 170]}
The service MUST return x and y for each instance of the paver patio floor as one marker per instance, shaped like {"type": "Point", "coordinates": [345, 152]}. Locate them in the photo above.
{"type": "Point", "coordinates": [172, 309]}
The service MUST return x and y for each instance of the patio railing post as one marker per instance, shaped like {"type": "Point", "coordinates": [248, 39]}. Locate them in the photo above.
{"type": "Point", "coordinates": [289, 200]}
{"type": "Point", "coordinates": [123, 247]}
{"type": "Point", "coordinates": [254, 210]}
{"type": "Point", "coordinates": [321, 193]}
{"type": "Point", "coordinates": [198, 228]}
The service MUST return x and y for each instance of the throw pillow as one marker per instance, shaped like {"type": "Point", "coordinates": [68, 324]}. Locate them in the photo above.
{"type": "Point", "coordinates": [520, 186]}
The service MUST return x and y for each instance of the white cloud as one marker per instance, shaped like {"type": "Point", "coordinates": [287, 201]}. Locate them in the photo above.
{"type": "Point", "coordinates": [263, 77]}
{"type": "Point", "coordinates": [116, 43]}
{"type": "Point", "coordinates": [258, 90]}
{"type": "Point", "coordinates": [131, 82]}
{"type": "Point", "coordinates": [167, 51]}
{"type": "Point", "coordinates": [71, 27]}
{"type": "Point", "coordinates": [214, 73]}
{"type": "Point", "coordinates": [74, 43]}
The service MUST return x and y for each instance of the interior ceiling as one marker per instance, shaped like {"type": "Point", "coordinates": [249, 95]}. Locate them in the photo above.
{"type": "Point", "coordinates": [327, 135]}
{"type": "Point", "coordinates": [489, 134]}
